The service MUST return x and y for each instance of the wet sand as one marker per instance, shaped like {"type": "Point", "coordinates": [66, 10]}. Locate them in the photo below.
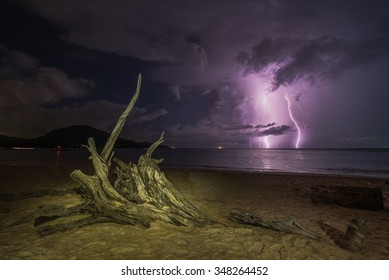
{"type": "Point", "coordinates": [215, 193]}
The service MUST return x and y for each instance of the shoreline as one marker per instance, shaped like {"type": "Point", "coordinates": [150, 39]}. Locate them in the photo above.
{"type": "Point", "coordinates": [362, 163]}
{"type": "Point", "coordinates": [273, 172]}
{"type": "Point", "coordinates": [214, 192]}
{"type": "Point", "coordinates": [88, 166]}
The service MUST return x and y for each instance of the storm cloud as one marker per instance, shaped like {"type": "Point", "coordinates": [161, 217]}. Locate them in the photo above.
{"type": "Point", "coordinates": [276, 131]}
{"type": "Point", "coordinates": [24, 82]}
{"type": "Point", "coordinates": [249, 126]}
{"type": "Point", "coordinates": [265, 125]}
{"type": "Point", "coordinates": [211, 68]}
{"type": "Point", "coordinates": [312, 60]}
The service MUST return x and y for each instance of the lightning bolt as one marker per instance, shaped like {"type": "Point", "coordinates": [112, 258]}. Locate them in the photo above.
{"type": "Point", "coordinates": [264, 110]}
{"type": "Point", "coordinates": [266, 142]}
{"type": "Point", "coordinates": [262, 99]}
{"type": "Point", "coordinates": [294, 121]}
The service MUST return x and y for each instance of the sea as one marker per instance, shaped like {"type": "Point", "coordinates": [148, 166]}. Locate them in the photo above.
{"type": "Point", "coordinates": [362, 163]}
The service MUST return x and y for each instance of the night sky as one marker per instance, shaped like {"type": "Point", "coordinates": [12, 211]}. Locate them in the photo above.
{"type": "Point", "coordinates": [239, 74]}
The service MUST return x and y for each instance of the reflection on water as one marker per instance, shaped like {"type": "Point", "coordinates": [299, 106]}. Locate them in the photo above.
{"type": "Point", "coordinates": [356, 162]}
{"type": "Point", "coordinates": [58, 158]}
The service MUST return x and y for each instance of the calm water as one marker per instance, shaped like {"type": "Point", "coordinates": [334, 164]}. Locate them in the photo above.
{"type": "Point", "coordinates": [347, 162]}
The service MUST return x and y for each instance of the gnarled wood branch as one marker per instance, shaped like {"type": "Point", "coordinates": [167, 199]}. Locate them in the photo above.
{"type": "Point", "coordinates": [137, 195]}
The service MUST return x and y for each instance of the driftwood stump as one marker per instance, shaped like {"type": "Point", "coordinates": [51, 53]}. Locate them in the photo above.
{"type": "Point", "coordinates": [355, 234]}
{"type": "Point", "coordinates": [352, 239]}
{"type": "Point", "coordinates": [134, 194]}
{"type": "Point", "coordinates": [352, 197]}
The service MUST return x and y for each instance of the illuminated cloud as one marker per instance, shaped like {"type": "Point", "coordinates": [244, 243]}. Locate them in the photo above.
{"type": "Point", "coordinates": [265, 125]}
{"type": "Point", "coordinates": [312, 60]}
{"type": "Point", "coordinates": [249, 126]}
{"type": "Point", "coordinates": [276, 131]}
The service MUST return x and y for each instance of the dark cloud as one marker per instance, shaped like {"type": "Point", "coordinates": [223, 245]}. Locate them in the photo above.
{"type": "Point", "coordinates": [14, 64]}
{"type": "Point", "coordinates": [239, 127]}
{"type": "Point", "coordinates": [277, 130]}
{"type": "Point", "coordinates": [24, 82]}
{"type": "Point", "coordinates": [192, 54]}
{"type": "Point", "coordinates": [312, 60]}
{"type": "Point", "coordinates": [267, 52]}
{"type": "Point", "coordinates": [148, 30]}
{"type": "Point", "coordinates": [249, 126]}
{"type": "Point", "coordinates": [265, 125]}
{"type": "Point", "coordinates": [175, 91]}
{"type": "Point", "coordinates": [196, 42]}
{"type": "Point", "coordinates": [141, 115]}
{"type": "Point", "coordinates": [30, 93]}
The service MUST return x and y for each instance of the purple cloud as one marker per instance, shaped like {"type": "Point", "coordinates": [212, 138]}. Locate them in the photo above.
{"type": "Point", "coordinates": [277, 130]}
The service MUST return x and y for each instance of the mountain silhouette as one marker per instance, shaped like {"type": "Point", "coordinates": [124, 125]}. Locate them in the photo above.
{"type": "Point", "coordinates": [7, 141]}
{"type": "Point", "coordinates": [70, 137]}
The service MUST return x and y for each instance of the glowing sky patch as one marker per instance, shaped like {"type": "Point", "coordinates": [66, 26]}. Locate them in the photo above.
{"type": "Point", "coordinates": [266, 109]}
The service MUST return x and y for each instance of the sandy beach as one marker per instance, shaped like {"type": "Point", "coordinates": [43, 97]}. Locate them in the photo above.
{"type": "Point", "coordinates": [214, 193]}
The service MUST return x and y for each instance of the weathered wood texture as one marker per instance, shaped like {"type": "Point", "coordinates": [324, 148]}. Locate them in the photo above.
{"type": "Point", "coordinates": [355, 234]}
{"type": "Point", "coordinates": [134, 194]}
{"type": "Point", "coordinates": [285, 224]}
{"type": "Point", "coordinates": [352, 197]}
{"type": "Point", "coordinates": [352, 239]}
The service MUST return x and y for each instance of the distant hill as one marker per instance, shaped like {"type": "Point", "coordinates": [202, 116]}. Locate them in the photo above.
{"type": "Point", "coordinates": [71, 137]}
{"type": "Point", "coordinates": [7, 141]}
